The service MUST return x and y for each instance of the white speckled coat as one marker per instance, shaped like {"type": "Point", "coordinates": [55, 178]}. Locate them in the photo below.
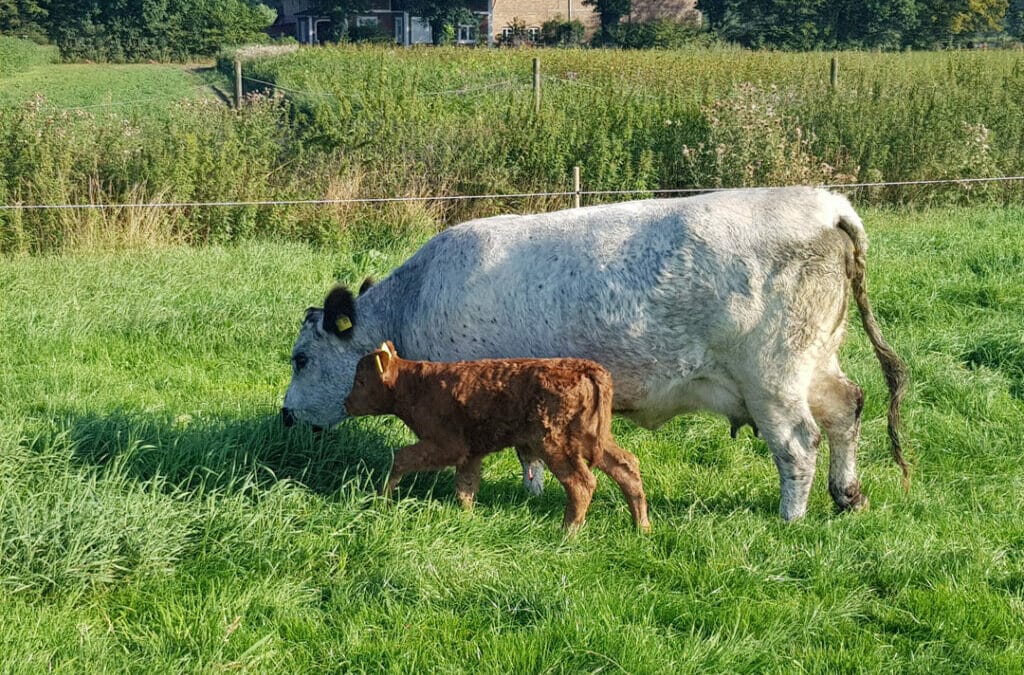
{"type": "Point", "coordinates": [733, 302]}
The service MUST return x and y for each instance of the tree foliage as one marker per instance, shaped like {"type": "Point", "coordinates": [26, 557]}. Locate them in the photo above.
{"type": "Point", "coordinates": [132, 30]}
{"type": "Point", "coordinates": [24, 19]}
{"type": "Point", "coordinates": [1014, 23]}
{"type": "Point", "coordinates": [881, 24]}
{"type": "Point", "coordinates": [611, 12]}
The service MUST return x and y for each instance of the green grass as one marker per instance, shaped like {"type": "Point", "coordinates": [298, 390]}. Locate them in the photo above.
{"type": "Point", "coordinates": [99, 87]}
{"type": "Point", "coordinates": [155, 516]}
{"type": "Point", "coordinates": [17, 55]}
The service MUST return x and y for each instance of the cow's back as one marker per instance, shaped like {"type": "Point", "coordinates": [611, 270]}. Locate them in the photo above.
{"type": "Point", "coordinates": [654, 290]}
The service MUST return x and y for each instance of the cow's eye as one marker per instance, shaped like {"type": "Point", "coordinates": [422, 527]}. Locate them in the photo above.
{"type": "Point", "coordinates": [300, 361]}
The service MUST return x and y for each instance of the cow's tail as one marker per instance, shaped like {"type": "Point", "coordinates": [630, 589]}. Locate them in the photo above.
{"type": "Point", "coordinates": [895, 370]}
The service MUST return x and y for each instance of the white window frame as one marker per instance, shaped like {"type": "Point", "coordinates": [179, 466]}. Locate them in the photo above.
{"type": "Point", "coordinates": [367, 21]}
{"type": "Point", "coordinates": [469, 31]}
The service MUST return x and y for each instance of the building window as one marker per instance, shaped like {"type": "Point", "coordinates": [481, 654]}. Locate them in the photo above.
{"type": "Point", "coordinates": [366, 21]}
{"type": "Point", "coordinates": [467, 34]}
{"type": "Point", "coordinates": [506, 33]}
{"type": "Point", "coordinates": [533, 34]}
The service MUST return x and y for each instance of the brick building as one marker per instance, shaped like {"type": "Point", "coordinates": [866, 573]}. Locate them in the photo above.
{"type": "Point", "coordinates": [390, 19]}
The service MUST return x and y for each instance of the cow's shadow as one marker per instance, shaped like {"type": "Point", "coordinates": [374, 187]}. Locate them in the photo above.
{"type": "Point", "coordinates": [242, 454]}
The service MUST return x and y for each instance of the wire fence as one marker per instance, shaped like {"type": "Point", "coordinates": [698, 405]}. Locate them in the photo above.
{"type": "Point", "coordinates": [516, 195]}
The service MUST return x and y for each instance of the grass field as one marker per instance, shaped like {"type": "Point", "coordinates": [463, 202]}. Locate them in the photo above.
{"type": "Point", "coordinates": [122, 89]}
{"type": "Point", "coordinates": [155, 516]}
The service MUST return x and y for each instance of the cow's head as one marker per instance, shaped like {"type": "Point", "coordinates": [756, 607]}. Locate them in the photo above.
{"type": "Point", "coordinates": [373, 390]}
{"type": "Point", "coordinates": [324, 361]}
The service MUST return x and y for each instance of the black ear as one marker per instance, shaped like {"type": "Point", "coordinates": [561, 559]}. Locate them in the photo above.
{"type": "Point", "coordinates": [367, 282]}
{"type": "Point", "coordinates": [339, 312]}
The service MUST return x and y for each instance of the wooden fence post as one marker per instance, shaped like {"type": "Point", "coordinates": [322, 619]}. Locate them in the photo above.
{"type": "Point", "coordinates": [576, 187]}
{"type": "Point", "coordinates": [833, 73]}
{"type": "Point", "coordinates": [536, 85]}
{"type": "Point", "coordinates": [238, 83]}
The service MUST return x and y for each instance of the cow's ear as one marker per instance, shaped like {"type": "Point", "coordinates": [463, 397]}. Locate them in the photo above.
{"type": "Point", "coordinates": [340, 312]}
{"type": "Point", "coordinates": [367, 282]}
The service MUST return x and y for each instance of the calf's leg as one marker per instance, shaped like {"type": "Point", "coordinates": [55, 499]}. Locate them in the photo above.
{"type": "Point", "coordinates": [467, 480]}
{"type": "Point", "coordinates": [623, 467]}
{"type": "Point", "coordinates": [579, 483]}
{"type": "Point", "coordinates": [424, 455]}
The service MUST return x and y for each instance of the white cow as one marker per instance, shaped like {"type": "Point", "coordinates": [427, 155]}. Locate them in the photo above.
{"type": "Point", "coordinates": [733, 302]}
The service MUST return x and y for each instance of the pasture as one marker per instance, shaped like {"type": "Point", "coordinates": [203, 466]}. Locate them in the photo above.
{"type": "Point", "coordinates": [124, 89]}
{"type": "Point", "coordinates": [154, 514]}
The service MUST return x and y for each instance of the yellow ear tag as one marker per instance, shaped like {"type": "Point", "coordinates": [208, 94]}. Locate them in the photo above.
{"type": "Point", "coordinates": [380, 366]}
{"type": "Point", "coordinates": [343, 323]}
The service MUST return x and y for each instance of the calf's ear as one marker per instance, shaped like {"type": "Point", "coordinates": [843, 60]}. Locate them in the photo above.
{"type": "Point", "coordinates": [340, 312]}
{"type": "Point", "coordinates": [391, 348]}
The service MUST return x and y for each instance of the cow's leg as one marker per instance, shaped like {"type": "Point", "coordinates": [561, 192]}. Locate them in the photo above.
{"type": "Point", "coordinates": [793, 437]}
{"type": "Point", "coordinates": [467, 480]}
{"type": "Point", "coordinates": [423, 456]}
{"type": "Point", "coordinates": [533, 473]}
{"type": "Point", "coordinates": [836, 403]}
{"type": "Point", "coordinates": [624, 468]}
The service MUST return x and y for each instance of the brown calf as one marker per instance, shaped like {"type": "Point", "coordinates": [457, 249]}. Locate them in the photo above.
{"type": "Point", "coordinates": [557, 410]}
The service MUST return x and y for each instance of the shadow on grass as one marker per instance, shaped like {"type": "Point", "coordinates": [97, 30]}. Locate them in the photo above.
{"type": "Point", "coordinates": [220, 454]}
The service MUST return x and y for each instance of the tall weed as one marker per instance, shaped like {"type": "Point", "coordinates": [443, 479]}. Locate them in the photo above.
{"type": "Point", "coordinates": [380, 122]}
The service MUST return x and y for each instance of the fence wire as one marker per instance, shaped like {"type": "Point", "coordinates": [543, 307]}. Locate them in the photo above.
{"type": "Point", "coordinates": [514, 195]}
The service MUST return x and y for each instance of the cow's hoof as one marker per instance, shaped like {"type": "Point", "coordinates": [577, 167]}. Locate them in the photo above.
{"type": "Point", "coordinates": [860, 502]}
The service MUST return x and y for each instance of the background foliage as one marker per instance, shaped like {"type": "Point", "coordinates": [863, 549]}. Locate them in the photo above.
{"type": "Point", "coordinates": [826, 24]}
{"type": "Point", "coordinates": [361, 122]}
{"type": "Point", "coordinates": [136, 30]}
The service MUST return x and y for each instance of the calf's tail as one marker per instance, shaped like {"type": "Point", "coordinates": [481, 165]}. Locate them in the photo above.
{"type": "Point", "coordinates": [602, 382]}
{"type": "Point", "coordinates": [895, 370]}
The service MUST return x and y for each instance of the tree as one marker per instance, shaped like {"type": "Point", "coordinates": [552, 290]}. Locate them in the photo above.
{"type": "Point", "coordinates": [133, 30]}
{"type": "Point", "coordinates": [884, 24]}
{"type": "Point", "coordinates": [611, 12]}
{"type": "Point", "coordinates": [23, 18]}
{"type": "Point", "coordinates": [951, 22]}
{"type": "Point", "coordinates": [443, 15]}
{"type": "Point", "coordinates": [1014, 22]}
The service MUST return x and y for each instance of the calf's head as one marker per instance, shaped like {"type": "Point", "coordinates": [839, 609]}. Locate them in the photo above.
{"type": "Point", "coordinates": [373, 388]}
{"type": "Point", "coordinates": [324, 361]}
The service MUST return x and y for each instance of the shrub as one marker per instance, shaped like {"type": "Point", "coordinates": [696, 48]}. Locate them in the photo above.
{"type": "Point", "coordinates": [558, 32]}
{"type": "Point", "coordinates": [659, 33]}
